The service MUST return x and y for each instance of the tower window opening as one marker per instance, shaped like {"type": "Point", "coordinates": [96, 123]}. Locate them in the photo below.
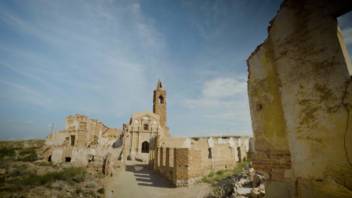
{"type": "Point", "coordinates": [161, 100]}
{"type": "Point", "coordinates": [145, 126]}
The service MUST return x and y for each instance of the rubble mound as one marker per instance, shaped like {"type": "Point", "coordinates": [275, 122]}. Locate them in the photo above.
{"type": "Point", "coordinates": [247, 184]}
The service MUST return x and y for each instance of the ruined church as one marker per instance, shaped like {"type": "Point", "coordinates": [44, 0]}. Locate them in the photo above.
{"type": "Point", "coordinates": [143, 128]}
{"type": "Point", "coordinates": [145, 138]}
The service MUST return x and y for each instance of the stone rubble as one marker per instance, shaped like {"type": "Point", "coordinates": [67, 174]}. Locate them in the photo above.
{"type": "Point", "coordinates": [247, 184]}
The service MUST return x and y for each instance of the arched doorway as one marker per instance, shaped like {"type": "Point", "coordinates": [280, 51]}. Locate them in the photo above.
{"type": "Point", "coordinates": [145, 147]}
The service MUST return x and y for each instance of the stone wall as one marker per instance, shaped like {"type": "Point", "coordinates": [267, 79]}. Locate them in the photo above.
{"type": "Point", "coordinates": [300, 95]}
{"type": "Point", "coordinates": [186, 160]}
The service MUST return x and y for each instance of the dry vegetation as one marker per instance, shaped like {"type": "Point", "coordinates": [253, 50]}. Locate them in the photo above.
{"type": "Point", "coordinates": [24, 174]}
{"type": "Point", "coordinates": [214, 178]}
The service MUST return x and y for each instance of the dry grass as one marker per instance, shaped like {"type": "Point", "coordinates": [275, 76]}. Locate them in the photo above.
{"type": "Point", "coordinates": [23, 174]}
{"type": "Point", "coordinates": [214, 177]}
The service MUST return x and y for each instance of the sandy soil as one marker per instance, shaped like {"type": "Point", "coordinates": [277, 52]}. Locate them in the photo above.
{"type": "Point", "coordinates": [136, 181]}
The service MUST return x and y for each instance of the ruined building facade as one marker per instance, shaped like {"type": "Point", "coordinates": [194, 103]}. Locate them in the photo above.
{"type": "Point", "coordinates": [140, 135]}
{"type": "Point", "coordinates": [83, 142]}
{"type": "Point", "coordinates": [300, 93]}
{"type": "Point", "coordinates": [141, 132]}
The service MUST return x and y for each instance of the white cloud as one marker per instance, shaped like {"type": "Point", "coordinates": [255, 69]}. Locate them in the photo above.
{"type": "Point", "coordinates": [24, 93]}
{"type": "Point", "coordinates": [149, 35]}
{"type": "Point", "coordinates": [218, 92]}
{"type": "Point", "coordinates": [110, 43]}
{"type": "Point", "coordinates": [222, 104]}
{"type": "Point", "coordinates": [223, 87]}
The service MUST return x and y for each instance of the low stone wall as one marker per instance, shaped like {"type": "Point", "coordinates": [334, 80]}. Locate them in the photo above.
{"type": "Point", "coordinates": [185, 166]}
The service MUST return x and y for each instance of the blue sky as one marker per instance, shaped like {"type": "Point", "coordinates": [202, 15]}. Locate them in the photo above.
{"type": "Point", "coordinates": [103, 59]}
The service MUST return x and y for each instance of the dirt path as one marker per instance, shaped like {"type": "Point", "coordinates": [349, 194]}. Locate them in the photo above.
{"type": "Point", "coordinates": [139, 182]}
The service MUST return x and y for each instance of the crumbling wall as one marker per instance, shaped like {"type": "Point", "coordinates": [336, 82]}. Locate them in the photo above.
{"type": "Point", "coordinates": [300, 96]}
{"type": "Point", "coordinates": [185, 160]}
{"type": "Point", "coordinates": [84, 142]}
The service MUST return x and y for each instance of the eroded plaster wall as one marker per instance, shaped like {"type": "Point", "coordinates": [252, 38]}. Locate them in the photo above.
{"type": "Point", "coordinates": [301, 102]}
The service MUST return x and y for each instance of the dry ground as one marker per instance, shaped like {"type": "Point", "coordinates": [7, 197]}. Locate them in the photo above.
{"type": "Point", "coordinates": [24, 174]}
{"type": "Point", "coordinates": [138, 181]}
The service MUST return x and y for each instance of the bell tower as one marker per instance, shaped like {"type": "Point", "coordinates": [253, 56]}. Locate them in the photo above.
{"type": "Point", "coordinates": [159, 103]}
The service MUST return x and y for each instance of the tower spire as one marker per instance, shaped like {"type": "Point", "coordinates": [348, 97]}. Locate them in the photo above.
{"type": "Point", "coordinates": [159, 85]}
{"type": "Point", "coordinates": [159, 103]}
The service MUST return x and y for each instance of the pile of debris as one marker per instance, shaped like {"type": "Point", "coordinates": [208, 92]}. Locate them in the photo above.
{"type": "Point", "coordinates": [247, 184]}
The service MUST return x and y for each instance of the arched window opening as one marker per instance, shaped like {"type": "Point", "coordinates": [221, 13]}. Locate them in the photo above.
{"type": "Point", "coordinates": [145, 147]}
{"type": "Point", "coordinates": [161, 100]}
{"type": "Point", "coordinates": [49, 158]}
{"type": "Point", "coordinates": [145, 126]}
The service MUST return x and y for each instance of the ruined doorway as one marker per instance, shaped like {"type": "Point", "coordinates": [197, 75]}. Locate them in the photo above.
{"type": "Point", "coordinates": [239, 154]}
{"type": "Point", "coordinates": [67, 159]}
{"type": "Point", "coordinates": [73, 140]}
{"type": "Point", "coordinates": [210, 153]}
{"type": "Point", "coordinates": [145, 147]}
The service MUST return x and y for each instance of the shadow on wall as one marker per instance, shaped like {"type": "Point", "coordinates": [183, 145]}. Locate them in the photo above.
{"type": "Point", "coordinates": [117, 143]}
{"type": "Point", "coordinates": [146, 177]}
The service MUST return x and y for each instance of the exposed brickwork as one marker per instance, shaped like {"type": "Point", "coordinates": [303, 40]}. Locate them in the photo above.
{"type": "Point", "coordinates": [184, 166]}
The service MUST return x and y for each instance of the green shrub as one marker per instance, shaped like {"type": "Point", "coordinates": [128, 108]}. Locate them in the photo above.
{"type": "Point", "coordinates": [67, 174]}
{"type": "Point", "coordinates": [17, 172]}
{"type": "Point", "coordinates": [101, 190]}
{"type": "Point", "coordinates": [7, 153]}
{"type": "Point", "coordinates": [28, 155]}
{"type": "Point", "coordinates": [29, 158]}
{"type": "Point", "coordinates": [220, 172]}
{"type": "Point", "coordinates": [239, 167]}
{"type": "Point", "coordinates": [79, 190]}
{"type": "Point", "coordinates": [214, 178]}
{"type": "Point", "coordinates": [26, 151]}
{"type": "Point", "coordinates": [43, 163]}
